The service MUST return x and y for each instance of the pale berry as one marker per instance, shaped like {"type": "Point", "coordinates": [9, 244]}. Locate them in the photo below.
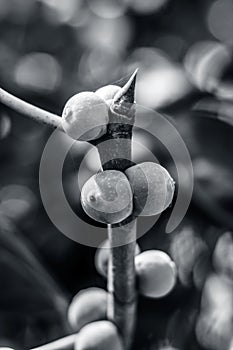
{"type": "Point", "coordinates": [107, 197]}
{"type": "Point", "coordinates": [156, 273]}
{"type": "Point", "coordinates": [102, 257]}
{"type": "Point", "coordinates": [85, 116]}
{"type": "Point", "coordinates": [87, 306]}
{"type": "Point", "coordinates": [152, 186]}
{"type": "Point", "coordinates": [101, 335]}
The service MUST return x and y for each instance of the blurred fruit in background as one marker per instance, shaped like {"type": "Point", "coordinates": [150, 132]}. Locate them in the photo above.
{"type": "Point", "coordinates": [208, 64]}
{"type": "Point", "coordinates": [214, 325]}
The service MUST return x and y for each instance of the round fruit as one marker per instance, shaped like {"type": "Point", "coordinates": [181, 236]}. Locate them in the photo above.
{"type": "Point", "coordinates": [107, 197]}
{"type": "Point", "coordinates": [100, 335]}
{"type": "Point", "coordinates": [153, 188]}
{"type": "Point", "coordinates": [87, 306]}
{"type": "Point", "coordinates": [156, 273]}
{"type": "Point", "coordinates": [85, 116]}
{"type": "Point", "coordinates": [102, 256]}
{"type": "Point", "coordinates": [108, 92]}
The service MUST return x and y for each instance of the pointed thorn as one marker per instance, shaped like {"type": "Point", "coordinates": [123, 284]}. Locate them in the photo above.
{"type": "Point", "coordinates": [127, 91]}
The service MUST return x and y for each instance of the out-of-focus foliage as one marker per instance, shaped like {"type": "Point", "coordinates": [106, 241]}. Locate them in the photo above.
{"type": "Point", "coordinates": [31, 304]}
{"type": "Point", "coordinates": [52, 49]}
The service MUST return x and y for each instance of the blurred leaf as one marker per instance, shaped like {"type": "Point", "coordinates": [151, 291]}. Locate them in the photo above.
{"type": "Point", "coordinates": [28, 293]}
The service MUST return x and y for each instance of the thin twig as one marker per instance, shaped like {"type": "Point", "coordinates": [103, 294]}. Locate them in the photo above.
{"type": "Point", "coordinates": [66, 343]}
{"type": "Point", "coordinates": [33, 112]}
{"type": "Point", "coordinates": [121, 271]}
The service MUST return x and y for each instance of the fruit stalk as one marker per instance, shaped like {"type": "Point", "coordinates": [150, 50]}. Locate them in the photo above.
{"type": "Point", "coordinates": [122, 237]}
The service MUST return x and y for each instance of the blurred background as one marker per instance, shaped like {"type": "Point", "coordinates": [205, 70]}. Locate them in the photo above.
{"type": "Point", "coordinates": [50, 50]}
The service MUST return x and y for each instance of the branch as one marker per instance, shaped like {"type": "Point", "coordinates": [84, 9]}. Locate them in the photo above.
{"type": "Point", "coordinates": [122, 237]}
{"type": "Point", "coordinates": [33, 112]}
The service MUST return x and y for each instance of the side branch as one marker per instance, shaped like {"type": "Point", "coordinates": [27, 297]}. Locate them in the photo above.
{"type": "Point", "coordinates": [33, 112]}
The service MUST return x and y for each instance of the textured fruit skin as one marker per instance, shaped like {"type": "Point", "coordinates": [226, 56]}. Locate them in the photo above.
{"type": "Point", "coordinates": [102, 256]}
{"type": "Point", "coordinates": [85, 116]}
{"type": "Point", "coordinates": [107, 197]}
{"type": "Point", "coordinates": [101, 335]}
{"type": "Point", "coordinates": [87, 306]}
{"type": "Point", "coordinates": [152, 186]}
{"type": "Point", "coordinates": [108, 92]}
{"type": "Point", "coordinates": [156, 273]}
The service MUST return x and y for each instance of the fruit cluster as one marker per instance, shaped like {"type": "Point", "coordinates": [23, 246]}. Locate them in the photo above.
{"type": "Point", "coordinates": [87, 313]}
{"type": "Point", "coordinates": [110, 197]}
{"type": "Point", "coordinates": [143, 190]}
